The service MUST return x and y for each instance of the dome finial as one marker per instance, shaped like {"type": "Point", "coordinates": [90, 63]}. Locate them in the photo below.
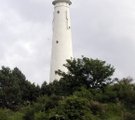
{"type": "Point", "coordinates": [58, 1]}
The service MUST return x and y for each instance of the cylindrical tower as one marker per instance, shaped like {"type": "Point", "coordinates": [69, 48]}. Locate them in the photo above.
{"type": "Point", "coordinates": [62, 38]}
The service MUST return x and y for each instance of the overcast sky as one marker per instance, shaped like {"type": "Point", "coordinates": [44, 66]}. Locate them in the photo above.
{"type": "Point", "coordinates": [103, 29]}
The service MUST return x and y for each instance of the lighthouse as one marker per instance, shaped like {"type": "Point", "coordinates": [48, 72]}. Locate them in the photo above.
{"type": "Point", "coordinates": [62, 38]}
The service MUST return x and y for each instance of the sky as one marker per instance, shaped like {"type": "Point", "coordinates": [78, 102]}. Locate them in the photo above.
{"type": "Point", "coordinates": [103, 29]}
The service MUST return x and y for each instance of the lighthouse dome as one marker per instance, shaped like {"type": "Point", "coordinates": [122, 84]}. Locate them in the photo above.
{"type": "Point", "coordinates": [58, 1]}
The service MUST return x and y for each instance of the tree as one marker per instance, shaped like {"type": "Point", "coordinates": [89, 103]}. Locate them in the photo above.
{"type": "Point", "coordinates": [126, 92]}
{"type": "Point", "coordinates": [15, 90]}
{"type": "Point", "coordinates": [29, 91]}
{"type": "Point", "coordinates": [10, 95]}
{"type": "Point", "coordinates": [85, 72]}
{"type": "Point", "coordinates": [76, 108]}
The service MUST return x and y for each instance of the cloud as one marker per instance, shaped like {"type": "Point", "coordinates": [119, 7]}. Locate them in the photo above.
{"type": "Point", "coordinates": [105, 30]}
{"type": "Point", "coordinates": [24, 42]}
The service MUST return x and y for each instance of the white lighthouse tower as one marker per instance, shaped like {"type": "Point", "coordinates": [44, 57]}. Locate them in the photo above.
{"type": "Point", "coordinates": [62, 38]}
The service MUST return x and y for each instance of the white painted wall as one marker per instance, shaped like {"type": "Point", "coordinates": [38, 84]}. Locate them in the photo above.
{"type": "Point", "coordinates": [62, 40]}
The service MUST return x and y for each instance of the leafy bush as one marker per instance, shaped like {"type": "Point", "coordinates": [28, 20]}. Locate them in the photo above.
{"type": "Point", "coordinates": [3, 114]}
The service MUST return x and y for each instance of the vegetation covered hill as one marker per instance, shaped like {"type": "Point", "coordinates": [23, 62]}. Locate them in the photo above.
{"type": "Point", "coordinates": [86, 92]}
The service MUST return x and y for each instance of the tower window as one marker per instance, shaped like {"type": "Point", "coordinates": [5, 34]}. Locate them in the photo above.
{"type": "Point", "coordinates": [57, 41]}
{"type": "Point", "coordinates": [58, 11]}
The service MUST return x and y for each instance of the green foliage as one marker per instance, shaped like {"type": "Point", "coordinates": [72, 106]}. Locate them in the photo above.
{"type": "Point", "coordinates": [74, 108]}
{"type": "Point", "coordinates": [85, 92]}
{"type": "Point", "coordinates": [29, 114]}
{"type": "Point", "coordinates": [84, 72]}
{"type": "Point", "coordinates": [129, 116]}
{"type": "Point", "coordinates": [6, 114]}
{"type": "Point", "coordinates": [40, 116]}
{"type": "Point", "coordinates": [15, 90]}
{"type": "Point", "coordinates": [3, 114]}
{"type": "Point", "coordinates": [16, 116]}
{"type": "Point", "coordinates": [126, 88]}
